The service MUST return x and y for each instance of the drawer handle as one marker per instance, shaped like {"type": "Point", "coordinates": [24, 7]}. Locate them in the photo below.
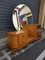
{"type": "Point", "coordinates": [22, 36]}
{"type": "Point", "coordinates": [23, 42]}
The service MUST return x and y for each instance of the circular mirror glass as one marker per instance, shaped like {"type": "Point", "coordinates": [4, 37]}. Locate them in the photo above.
{"type": "Point", "coordinates": [22, 14]}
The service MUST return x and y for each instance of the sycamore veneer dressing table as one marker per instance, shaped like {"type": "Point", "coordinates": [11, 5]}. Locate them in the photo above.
{"type": "Point", "coordinates": [26, 33]}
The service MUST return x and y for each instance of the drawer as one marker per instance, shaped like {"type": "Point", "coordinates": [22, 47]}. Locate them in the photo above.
{"type": "Point", "coordinates": [23, 39]}
{"type": "Point", "coordinates": [15, 42]}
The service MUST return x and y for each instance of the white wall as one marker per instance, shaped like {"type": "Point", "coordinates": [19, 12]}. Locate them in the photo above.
{"type": "Point", "coordinates": [42, 13]}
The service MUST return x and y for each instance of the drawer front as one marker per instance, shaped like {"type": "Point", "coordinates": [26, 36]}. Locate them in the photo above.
{"type": "Point", "coordinates": [23, 40]}
{"type": "Point", "coordinates": [15, 42]}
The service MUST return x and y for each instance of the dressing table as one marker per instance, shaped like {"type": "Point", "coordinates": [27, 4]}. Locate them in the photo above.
{"type": "Point", "coordinates": [26, 33]}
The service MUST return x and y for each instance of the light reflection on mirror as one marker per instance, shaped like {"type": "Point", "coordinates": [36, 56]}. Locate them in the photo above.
{"type": "Point", "coordinates": [22, 14]}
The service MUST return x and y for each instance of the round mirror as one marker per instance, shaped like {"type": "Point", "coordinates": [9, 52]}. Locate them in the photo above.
{"type": "Point", "coordinates": [22, 14]}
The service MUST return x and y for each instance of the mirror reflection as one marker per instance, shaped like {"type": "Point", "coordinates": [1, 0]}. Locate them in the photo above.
{"type": "Point", "coordinates": [22, 14]}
